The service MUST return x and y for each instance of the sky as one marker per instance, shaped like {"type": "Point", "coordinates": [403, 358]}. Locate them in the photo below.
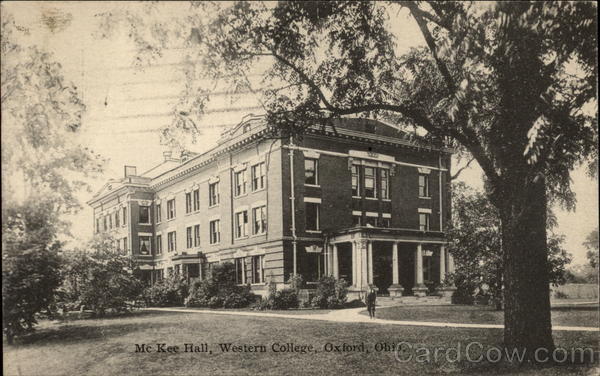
{"type": "Point", "coordinates": [126, 105]}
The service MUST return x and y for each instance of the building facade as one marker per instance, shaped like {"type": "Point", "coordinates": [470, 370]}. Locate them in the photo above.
{"type": "Point", "coordinates": [358, 200]}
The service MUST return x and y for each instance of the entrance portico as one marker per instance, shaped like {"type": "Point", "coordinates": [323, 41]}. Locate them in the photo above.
{"type": "Point", "coordinates": [395, 261]}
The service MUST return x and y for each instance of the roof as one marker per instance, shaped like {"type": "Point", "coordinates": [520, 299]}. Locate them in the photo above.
{"type": "Point", "coordinates": [254, 127]}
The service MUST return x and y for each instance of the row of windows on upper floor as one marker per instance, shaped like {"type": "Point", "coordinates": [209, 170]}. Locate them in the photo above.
{"type": "Point", "coordinates": [373, 182]}
{"type": "Point", "coordinates": [241, 230]}
{"type": "Point", "coordinates": [107, 223]}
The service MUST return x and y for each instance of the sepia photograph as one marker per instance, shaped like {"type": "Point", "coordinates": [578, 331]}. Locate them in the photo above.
{"type": "Point", "coordinates": [299, 188]}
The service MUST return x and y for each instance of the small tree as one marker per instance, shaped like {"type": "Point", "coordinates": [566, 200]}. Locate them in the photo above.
{"type": "Point", "coordinates": [100, 278]}
{"type": "Point", "coordinates": [30, 267]}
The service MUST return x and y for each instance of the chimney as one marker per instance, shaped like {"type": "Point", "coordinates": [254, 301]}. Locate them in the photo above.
{"type": "Point", "coordinates": [167, 155]}
{"type": "Point", "coordinates": [130, 171]}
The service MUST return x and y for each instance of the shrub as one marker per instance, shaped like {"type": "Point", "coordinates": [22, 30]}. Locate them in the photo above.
{"type": "Point", "coordinates": [285, 299]}
{"type": "Point", "coordinates": [170, 291]}
{"type": "Point", "coordinates": [296, 282]}
{"type": "Point", "coordinates": [331, 293]}
{"type": "Point", "coordinates": [215, 302]}
{"type": "Point", "coordinates": [219, 290]}
{"type": "Point", "coordinates": [262, 304]}
{"type": "Point", "coordinates": [99, 279]}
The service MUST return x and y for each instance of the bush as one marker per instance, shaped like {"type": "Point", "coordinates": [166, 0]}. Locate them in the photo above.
{"type": "Point", "coordinates": [331, 293]}
{"type": "Point", "coordinates": [285, 299]}
{"type": "Point", "coordinates": [170, 291]}
{"type": "Point", "coordinates": [219, 290]}
{"type": "Point", "coordinates": [99, 279]}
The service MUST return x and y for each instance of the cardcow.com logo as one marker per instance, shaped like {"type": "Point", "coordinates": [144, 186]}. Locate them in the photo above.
{"type": "Point", "coordinates": [475, 352]}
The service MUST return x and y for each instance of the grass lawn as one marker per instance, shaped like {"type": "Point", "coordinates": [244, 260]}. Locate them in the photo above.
{"type": "Point", "coordinates": [575, 315]}
{"type": "Point", "coordinates": [107, 347]}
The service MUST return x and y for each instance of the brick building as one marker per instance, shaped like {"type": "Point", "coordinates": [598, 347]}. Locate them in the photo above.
{"type": "Point", "coordinates": [359, 200]}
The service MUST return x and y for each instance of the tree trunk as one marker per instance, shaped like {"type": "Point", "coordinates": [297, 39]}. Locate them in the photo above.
{"type": "Point", "coordinates": [527, 325]}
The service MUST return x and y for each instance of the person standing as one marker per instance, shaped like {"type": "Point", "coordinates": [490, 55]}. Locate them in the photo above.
{"type": "Point", "coordinates": [371, 298]}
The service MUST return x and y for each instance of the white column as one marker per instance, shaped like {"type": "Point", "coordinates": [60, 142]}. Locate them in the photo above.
{"type": "Point", "coordinates": [370, 262]}
{"type": "Point", "coordinates": [336, 265]}
{"type": "Point", "coordinates": [442, 263]}
{"type": "Point", "coordinates": [355, 264]}
{"type": "Point", "coordinates": [395, 274]}
{"type": "Point", "coordinates": [450, 263]}
{"type": "Point", "coordinates": [419, 266]}
{"type": "Point", "coordinates": [364, 263]}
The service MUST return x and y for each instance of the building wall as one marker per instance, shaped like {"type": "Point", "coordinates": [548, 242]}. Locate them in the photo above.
{"type": "Point", "coordinates": [226, 249]}
{"type": "Point", "coordinates": [276, 246]}
{"type": "Point", "coordinates": [335, 187]}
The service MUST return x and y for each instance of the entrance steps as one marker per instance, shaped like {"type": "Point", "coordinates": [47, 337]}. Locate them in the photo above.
{"type": "Point", "coordinates": [386, 301]}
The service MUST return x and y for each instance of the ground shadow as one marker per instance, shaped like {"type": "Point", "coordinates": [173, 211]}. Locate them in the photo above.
{"type": "Point", "coordinates": [68, 331]}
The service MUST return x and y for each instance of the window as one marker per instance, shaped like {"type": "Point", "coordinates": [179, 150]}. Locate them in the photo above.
{"type": "Point", "coordinates": [171, 209]}
{"type": "Point", "coordinates": [196, 235]}
{"type": "Point", "coordinates": [105, 223]}
{"type": "Point", "coordinates": [311, 171]}
{"type": "Point", "coordinates": [385, 222]}
{"type": "Point", "coordinates": [239, 270]}
{"type": "Point", "coordinates": [144, 245]}
{"type": "Point", "coordinates": [196, 199]}
{"type": "Point", "coordinates": [424, 221]}
{"type": "Point", "coordinates": [124, 216]}
{"type": "Point", "coordinates": [240, 182]}
{"type": "Point", "coordinates": [385, 183]}
{"type": "Point", "coordinates": [355, 180]}
{"type": "Point", "coordinates": [423, 185]}
{"type": "Point", "coordinates": [241, 224]}
{"type": "Point", "coordinates": [158, 244]}
{"type": "Point", "coordinates": [258, 176]}
{"type": "Point", "coordinates": [259, 216]}
{"type": "Point", "coordinates": [172, 241]}
{"type": "Point", "coordinates": [188, 237]}
{"type": "Point", "coordinates": [158, 213]}
{"type": "Point", "coordinates": [125, 245]}
{"type": "Point", "coordinates": [370, 182]}
{"type": "Point", "coordinates": [312, 216]}
{"type": "Point", "coordinates": [257, 269]}
{"type": "Point", "coordinates": [97, 224]}
{"type": "Point", "coordinates": [213, 194]}
{"type": "Point", "coordinates": [188, 202]}
{"type": "Point", "coordinates": [144, 215]}
{"type": "Point", "coordinates": [356, 220]}
{"type": "Point", "coordinates": [215, 231]}
{"type": "Point", "coordinates": [110, 221]}
{"type": "Point", "coordinates": [371, 221]}
{"type": "Point", "coordinates": [117, 219]}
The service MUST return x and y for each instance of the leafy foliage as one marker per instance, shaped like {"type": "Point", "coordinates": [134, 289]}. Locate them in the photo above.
{"type": "Point", "coordinates": [99, 278]}
{"type": "Point", "coordinates": [170, 291]}
{"type": "Point", "coordinates": [30, 266]}
{"type": "Point", "coordinates": [331, 293]}
{"type": "Point", "coordinates": [591, 243]}
{"type": "Point", "coordinates": [220, 290]}
{"type": "Point", "coordinates": [475, 240]}
{"type": "Point", "coordinates": [41, 117]}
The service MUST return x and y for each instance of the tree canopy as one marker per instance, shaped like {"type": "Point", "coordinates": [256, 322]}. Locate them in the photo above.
{"type": "Point", "coordinates": [41, 116]}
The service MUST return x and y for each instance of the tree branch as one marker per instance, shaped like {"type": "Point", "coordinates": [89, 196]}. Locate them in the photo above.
{"type": "Point", "coordinates": [462, 169]}
{"type": "Point", "coordinates": [418, 15]}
